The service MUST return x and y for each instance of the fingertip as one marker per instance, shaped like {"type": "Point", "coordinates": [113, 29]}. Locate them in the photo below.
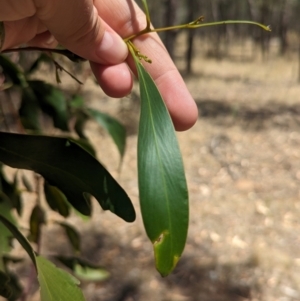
{"type": "Point", "coordinates": [115, 80]}
{"type": "Point", "coordinates": [187, 118]}
{"type": "Point", "coordinates": [179, 101]}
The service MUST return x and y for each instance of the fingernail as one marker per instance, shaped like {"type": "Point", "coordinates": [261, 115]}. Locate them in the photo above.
{"type": "Point", "coordinates": [113, 49]}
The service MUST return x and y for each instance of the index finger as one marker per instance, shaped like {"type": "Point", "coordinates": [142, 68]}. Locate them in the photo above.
{"type": "Point", "coordinates": [126, 18]}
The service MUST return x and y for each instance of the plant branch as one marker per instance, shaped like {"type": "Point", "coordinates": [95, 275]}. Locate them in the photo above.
{"type": "Point", "coordinates": [195, 24]}
{"type": "Point", "coordinates": [67, 53]}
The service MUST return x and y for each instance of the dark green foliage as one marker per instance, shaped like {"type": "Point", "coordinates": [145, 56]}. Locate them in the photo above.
{"type": "Point", "coordinates": [56, 199]}
{"type": "Point", "coordinates": [70, 168]}
{"type": "Point", "coordinates": [73, 236]}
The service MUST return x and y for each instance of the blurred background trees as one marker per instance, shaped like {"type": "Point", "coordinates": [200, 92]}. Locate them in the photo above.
{"type": "Point", "coordinates": [281, 15]}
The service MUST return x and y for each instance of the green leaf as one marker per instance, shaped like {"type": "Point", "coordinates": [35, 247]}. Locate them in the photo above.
{"type": "Point", "coordinates": [83, 269]}
{"type": "Point", "coordinates": [57, 284]}
{"type": "Point", "coordinates": [85, 144]}
{"type": "Point", "coordinates": [43, 58]}
{"type": "Point", "coordinates": [52, 102]}
{"type": "Point", "coordinates": [37, 219]}
{"type": "Point", "coordinates": [162, 183]}
{"type": "Point", "coordinates": [70, 168]}
{"type": "Point", "coordinates": [56, 199]}
{"type": "Point", "coordinates": [145, 4]}
{"type": "Point", "coordinates": [73, 235]}
{"type": "Point", "coordinates": [112, 126]}
{"type": "Point", "coordinates": [77, 102]}
{"type": "Point", "coordinates": [19, 236]}
{"type": "Point", "coordinates": [81, 119]}
{"type": "Point", "coordinates": [90, 274]}
{"type": "Point", "coordinates": [12, 71]}
{"type": "Point", "coordinates": [30, 110]}
{"type": "Point", "coordinates": [11, 191]}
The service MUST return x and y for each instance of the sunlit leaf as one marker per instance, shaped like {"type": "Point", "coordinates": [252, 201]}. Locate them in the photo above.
{"type": "Point", "coordinates": [162, 183]}
{"type": "Point", "coordinates": [146, 11]}
{"type": "Point", "coordinates": [90, 274]}
{"type": "Point", "coordinates": [83, 269]}
{"type": "Point", "coordinates": [52, 102]}
{"type": "Point", "coordinates": [37, 219]}
{"type": "Point", "coordinates": [70, 168]}
{"type": "Point", "coordinates": [112, 126]}
{"type": "Point", "coordinates": [56, 199]}
{"type": "Point", "coordinates": [73, 235]}
{"type": "Point", "coordinates": [56, 284]}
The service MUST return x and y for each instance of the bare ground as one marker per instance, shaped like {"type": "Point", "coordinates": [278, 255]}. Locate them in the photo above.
{"type": "Point", "coordinates": [242, 163]}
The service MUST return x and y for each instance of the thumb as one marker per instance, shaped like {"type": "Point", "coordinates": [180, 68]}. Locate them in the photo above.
{"type": "Point", "coordinates": [77, 26]}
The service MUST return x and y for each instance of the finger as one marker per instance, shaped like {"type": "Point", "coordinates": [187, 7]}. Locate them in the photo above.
{"type": "Point", "coordinates": [21, 31]}
{"type": "Point", "coordinates": [115, 81]}
{"type": "Point", "coordinates": [129, 19]}
{"type": "Point", "coordinates": [45, 40]}
{"type": "Point", "coordinates": [13, 10]}
{"type": "Point", "coordinates": [77, 26]}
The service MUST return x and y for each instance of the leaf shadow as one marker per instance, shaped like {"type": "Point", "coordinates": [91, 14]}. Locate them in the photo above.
{"type": "Point", "coordinates": [249, 117]}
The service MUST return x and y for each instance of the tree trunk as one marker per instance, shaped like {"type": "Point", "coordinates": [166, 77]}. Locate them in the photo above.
{"type": "Point", "coordinates": [190, 36]}
{"type": "Point", "coordinates": [170, 19]}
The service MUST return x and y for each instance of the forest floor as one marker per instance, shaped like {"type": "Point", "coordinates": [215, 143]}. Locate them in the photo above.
{"type": "Point", "coordinates": [242, 162]}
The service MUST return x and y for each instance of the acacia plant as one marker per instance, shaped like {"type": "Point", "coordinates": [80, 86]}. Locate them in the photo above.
{"type": "Point", "coordinates": [70, 174]}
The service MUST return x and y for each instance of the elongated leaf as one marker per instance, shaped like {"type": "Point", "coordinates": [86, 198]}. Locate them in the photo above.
{"type": "Point", "coordinates": [85, 144]}
{"type": "Point", "coordinates": [146, 11]}
{"type": "Point", "coordinates": [73, 235]}
{"type": "Point", "coordinates": [52, 102]}
{"type": "Point", "coordinates": [30, 110]}
{"type": "Point", "coordinates": [162, 183]}
{"type": "Point", "coordinates": [56, 199]}
{"type": "Point", "coordinates": [11, 191]}
{"type": "Point", "coordinates": [14, 73]}
{"type": "Point", "coordinates": [81, 119]}
{"type": "Point", "coordinates": [56, 284]}
{"type": "Point", "coordinates": [70, 168]}
{"type": "Point", "coordinates": [90, 274]}
{"type": "Point", "coordinates": [19, 236]}
{"type": "Point", "coordinates": [43, 58]}
{"type": "Point", "coordinates": [37, 219]}
{"type": "Point", "coordinates": [83, 269]}
{"type": "Point", "coordinates": [112, 126]}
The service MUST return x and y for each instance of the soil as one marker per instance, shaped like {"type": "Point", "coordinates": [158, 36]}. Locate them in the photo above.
{"type": "Point", "coordinates": [242, 163]}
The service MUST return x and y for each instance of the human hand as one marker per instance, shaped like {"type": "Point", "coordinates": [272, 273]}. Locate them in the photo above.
{"type": "Point", "coordinates": [93, 30]}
